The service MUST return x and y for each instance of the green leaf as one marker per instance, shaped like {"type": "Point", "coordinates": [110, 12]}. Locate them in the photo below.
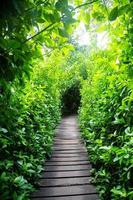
{"type": "Point", "coordinates": [13, 44]}
{"type": "Point", "coordinates": [41, 20]}
{"type": "Point", "coordinates": [17, 196]}
{"type": "Point", "coordinates": [113, 14]}
{"type": "Point", "coordinates": [20, 180]}
{"type": "Point", "coordinates": [63, 32]}
{"type": "Point", "coordinates": [119, 191]}
{"type": "Point", "coordinates": [4, 177]}
{"type": "Point", "coordinates": [124, 9]}
{"type": "Point", "coordinates": [61, 5]}
{"type": "Point", "coordinates": [3, 130]}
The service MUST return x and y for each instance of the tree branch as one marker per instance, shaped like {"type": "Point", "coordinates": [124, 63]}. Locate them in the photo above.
{"type": "Point", "coordinates": [77, 7]}
{"type": "Point", "coordinates": [39, 4]}
{"type": "Point", "coordinates": [84, 4]}
{"type": "Point", "coordinates": [38, 33]}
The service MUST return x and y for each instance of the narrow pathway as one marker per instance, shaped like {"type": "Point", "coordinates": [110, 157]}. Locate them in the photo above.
{"type": "Point", "coordinates": [66, 175]}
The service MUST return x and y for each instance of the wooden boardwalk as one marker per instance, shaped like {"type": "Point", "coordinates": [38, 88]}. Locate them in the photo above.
{"type": "Point", "coordinates": [66, 175]}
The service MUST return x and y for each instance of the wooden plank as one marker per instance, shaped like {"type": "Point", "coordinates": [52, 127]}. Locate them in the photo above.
{"type": "Point", "coordinates": [66, 128]}
{"type": "Point", "coordinates": [56, 139]}
{"type": "Point", "coordinates": [65, 159]}
{"type": "Point", "coordinates": [77, 197]}
{"type": "Point", "coordinates": [64, 182]}
{"type": "Point", "coordinates": [65, 174]}
{"type": "Point", "coordinates": [68, 148]}
{"type": "Point", "coordinates": [69, 151]}
{"type": "Point", "coordinates": [67, 163]}
{"type": "Point", "coordinates": [58, 155]}
{"type": "Point", "coordinates": [65, 191]}
{"type": "Point", "coordinates": [67, 133]}
{"type": "Point", "coordinates": [67, 139]}
{"type": "Point", "coordinates": [67, 143]}
{"type": "Point", "coordinates": [66, 136]}
{"type": "Point", "coordinates": [67, 168]}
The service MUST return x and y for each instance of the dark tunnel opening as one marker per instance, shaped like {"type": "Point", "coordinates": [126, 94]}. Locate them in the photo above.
{"type": "Point", "coordinates": [71, 100]}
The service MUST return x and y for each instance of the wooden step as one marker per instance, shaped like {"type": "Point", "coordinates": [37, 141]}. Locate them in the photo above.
{"type": "Point", "coordinates": [65, 182]}
{"type": "Point", "coordinates": [60, 174]}
{"type": "Point", "coordinates": [68, 163]}
{"type": "Point", "coordinates": [66, 175]}
{"type": "Point", "coordinates": [83, 155]}
{"type": "Point", "coordinates": [67, 168]}
{"type": "Point", "coordinates": [65, 191]}
{"type": "Point", "coordinates": [68, 159]}
{"type": "Point", "coordinates": [79, 148]}
{"type": "Point", "coordinates": [68, 151]}
{"type": "Point", "coordinates": [77, 197]}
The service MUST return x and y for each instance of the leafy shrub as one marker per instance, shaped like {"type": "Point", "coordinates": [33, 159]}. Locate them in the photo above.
{"type": "Point", "coordinates": [26, 139]}
{"type": "Point", "coordinates": [106, 118]}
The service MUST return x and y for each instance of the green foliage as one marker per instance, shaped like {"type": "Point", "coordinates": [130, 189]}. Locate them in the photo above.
{"type": "Point", "coordinates": [29, 90]}
{"type": "Point", "coordinates": [27, 124]}
{"type": "Point", "coordinates": [27, 137]}
{"type": "Point", "coordinates": [106, 113]}
{"type": "Point", "coordinates": [75, 69]}
{"type": "Point", "coordinates": [106, 118]}
{"type": "Point", "coordinates": [113, 14]}
{"type": "Point", "coordinates": [32, 86]}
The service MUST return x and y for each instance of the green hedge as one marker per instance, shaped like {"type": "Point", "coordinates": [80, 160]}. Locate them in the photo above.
{"type": "Point", "coordinates": [26, 135]}
{"type": "Point", "coordinates": [106, 118]}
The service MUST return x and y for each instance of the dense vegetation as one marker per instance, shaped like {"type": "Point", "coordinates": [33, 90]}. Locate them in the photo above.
{"type": "Point", "coordinates": [42, 70]}
{"type": "Point", "coordinates": [29, 89]}
{"type": "Point", "coordinates": [106, 114]}
{"type": "Point", "coordinates": [106, 118]}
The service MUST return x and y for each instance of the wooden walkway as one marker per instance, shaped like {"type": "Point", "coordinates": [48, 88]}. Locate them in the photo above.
{"type": "Point", "coordinates": [66, 175]}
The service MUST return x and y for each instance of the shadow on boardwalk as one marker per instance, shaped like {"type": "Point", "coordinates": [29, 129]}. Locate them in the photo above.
{"type": "Point", "coordinates": [66, 175]}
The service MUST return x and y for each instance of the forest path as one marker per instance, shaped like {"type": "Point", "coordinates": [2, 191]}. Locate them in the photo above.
{"type": "Point", "coordinates": [66, 175]}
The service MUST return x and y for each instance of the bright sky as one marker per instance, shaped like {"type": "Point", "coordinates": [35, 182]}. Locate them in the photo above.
{"type": "Point", "coordinates": [83, 37]}
{"type": "Point", "coordinates": [102, 40]}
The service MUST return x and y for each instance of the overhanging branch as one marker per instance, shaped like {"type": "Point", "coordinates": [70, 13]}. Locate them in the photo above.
{"type": "Point", "coordinates": [39, 4]}
{"type": "Point", "coordinates": [38, 33]}
{"type": "Point", "coordinates": [46, 28]}
{"type": "Point", "coordinates": [84, 4]}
